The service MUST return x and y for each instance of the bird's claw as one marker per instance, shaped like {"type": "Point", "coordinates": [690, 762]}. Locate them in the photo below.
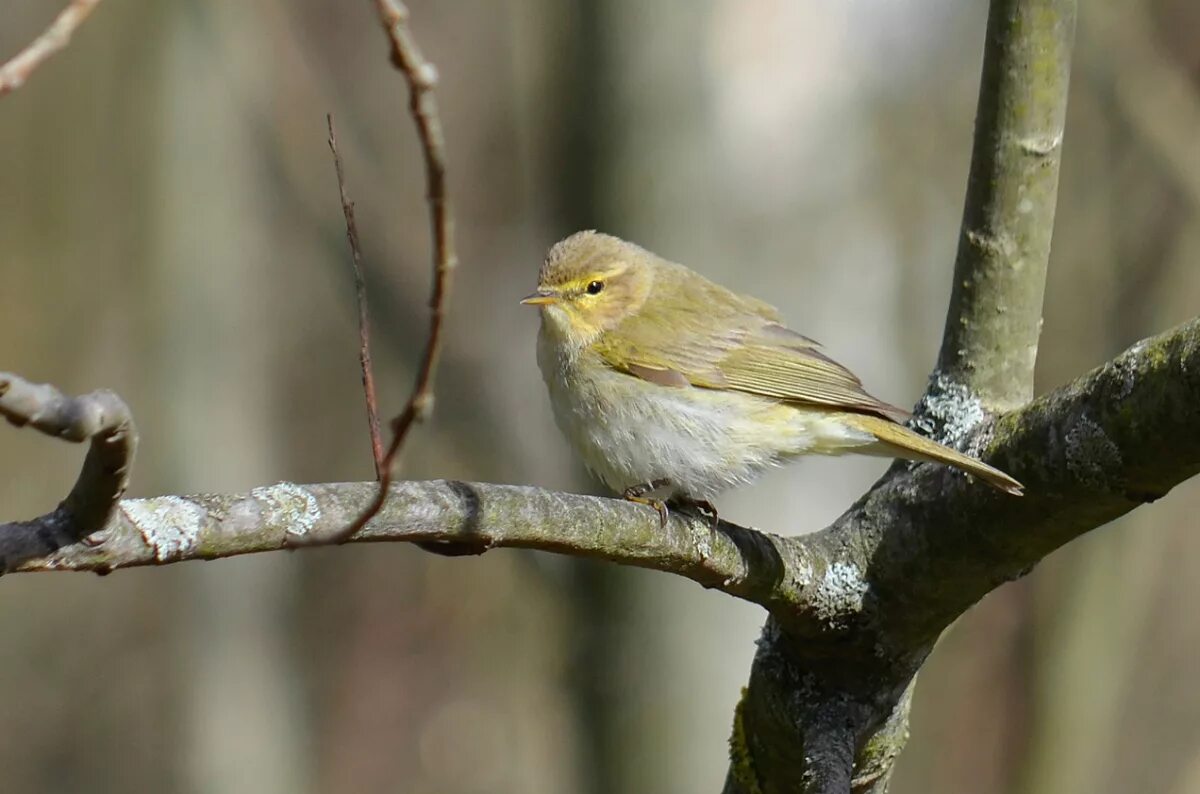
{"type": "Point", "coordinates": [637, 493]}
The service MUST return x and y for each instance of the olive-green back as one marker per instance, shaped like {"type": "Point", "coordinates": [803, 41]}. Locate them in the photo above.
{"type": "Point", "coordinates": [692, 331]}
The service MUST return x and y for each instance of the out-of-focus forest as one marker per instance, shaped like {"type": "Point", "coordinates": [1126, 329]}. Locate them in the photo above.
{"type": "Point", "coordinates": [170, 228]}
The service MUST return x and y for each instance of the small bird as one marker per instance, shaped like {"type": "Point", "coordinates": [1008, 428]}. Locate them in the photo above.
{"type": "Point", "coordinates": [662, 379]}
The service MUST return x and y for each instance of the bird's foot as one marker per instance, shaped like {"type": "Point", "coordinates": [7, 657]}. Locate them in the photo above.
{"type": "Point", "coordinates": [637, 493]}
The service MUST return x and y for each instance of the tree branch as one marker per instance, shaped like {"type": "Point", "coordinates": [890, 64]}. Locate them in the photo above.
{"type": "Point", "coordinates": [925, 544]}
{"type": "Point", "coordinates": [843, 664]}
{"type": "Point", "coordinates": [1120, 436]}
{"type": "Point", "coordinates": [421, 77]}
{"type": "Point", "coordinates": [926, 541]}
{"type": "Point", "coordinates": [17, 70]}
{"type": "Point", "coordinates": [168, 529]}
{"type": "Point", "coordinates": [990, 342]}
{"type": "Point", "coordinates": [364, 315]}
{"type": "Point", "coordinates": [855, 608]}
{"type": "Point", "coordinates": [101, 418]}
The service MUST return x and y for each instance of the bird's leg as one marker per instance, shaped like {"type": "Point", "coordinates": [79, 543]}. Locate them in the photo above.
{"type": "Point", "coordinates": [637, 493]}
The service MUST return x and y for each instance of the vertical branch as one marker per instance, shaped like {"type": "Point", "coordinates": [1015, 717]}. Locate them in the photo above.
{"type": "Point", "coordinates": [800, 720]}
{"type": "Point", "coordinates": [16, 71]}
{"type": "Point", "coordinates": [990, 342]}
{"type": "Point", "coordinates": [364, 318]}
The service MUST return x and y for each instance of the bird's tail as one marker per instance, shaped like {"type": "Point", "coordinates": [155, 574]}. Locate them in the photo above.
{"type": "Point", "coordinates": [900, 442]}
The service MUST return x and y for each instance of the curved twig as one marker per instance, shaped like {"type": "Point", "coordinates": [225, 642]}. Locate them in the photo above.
{"type": "Point", "coordinates": [421, 77]}
{"type": "Point", "coordinates": [16, 71]}
{"type": "Point", "coordinates": [101, 418]}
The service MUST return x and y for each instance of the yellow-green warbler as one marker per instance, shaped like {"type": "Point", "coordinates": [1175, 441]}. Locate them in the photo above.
{"type": "Point", "coordinates": [661, 378]}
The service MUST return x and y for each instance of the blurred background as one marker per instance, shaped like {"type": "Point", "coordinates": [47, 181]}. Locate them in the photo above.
{"type": "Point", "coordinates": [170, 228]}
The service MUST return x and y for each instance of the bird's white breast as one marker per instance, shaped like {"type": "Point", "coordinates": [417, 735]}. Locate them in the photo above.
{"type": "Point", "coordinates": [629, 431]}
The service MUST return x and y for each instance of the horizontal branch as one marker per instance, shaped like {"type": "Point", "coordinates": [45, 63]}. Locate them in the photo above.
{"type": "Point", "coordinates": [911, 555]}
{"type": "Point", "coordinates": [471, 516]}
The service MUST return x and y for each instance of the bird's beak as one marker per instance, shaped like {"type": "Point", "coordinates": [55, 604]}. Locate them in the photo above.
{"type": "Point", "coordinates": [540, 298]}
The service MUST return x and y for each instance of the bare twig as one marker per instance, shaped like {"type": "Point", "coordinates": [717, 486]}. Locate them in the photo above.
{"type": "Point", "coordinates": [101, 418]}
{"type": "Point", "coordinates": [421, 77]}
{"type": "Point", "coordinates": [16, 71]}
{"type": "Point", "coordinates": [364, 319]}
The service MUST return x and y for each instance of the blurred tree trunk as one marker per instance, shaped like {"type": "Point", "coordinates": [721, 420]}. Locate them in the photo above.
{"type": "Point", "coordinates": [652, 679]}
{"type": "Point", "coordinates": [244, 726]}
{"type": "Point", "coordinates": [582, 117]}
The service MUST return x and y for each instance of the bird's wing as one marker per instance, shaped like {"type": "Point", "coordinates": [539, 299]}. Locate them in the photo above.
{"type": "Point", "coordinates": [733, 343]}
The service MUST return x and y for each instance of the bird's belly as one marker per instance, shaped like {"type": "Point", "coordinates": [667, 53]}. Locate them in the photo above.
{"type": "Point", "coordinates": [629, 431]}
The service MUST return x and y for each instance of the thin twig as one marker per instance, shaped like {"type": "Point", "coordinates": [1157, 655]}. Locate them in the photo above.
{"type": "Point", "coordinates": [364, 320]}
{"type": "Point", "coordinates": [14, 73]}
{"type": "Point", "coordinates": [421, 77]}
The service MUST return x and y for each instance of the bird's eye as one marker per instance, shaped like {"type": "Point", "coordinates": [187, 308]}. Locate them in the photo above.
{"type": "Point", "coordinates": [594, 287]}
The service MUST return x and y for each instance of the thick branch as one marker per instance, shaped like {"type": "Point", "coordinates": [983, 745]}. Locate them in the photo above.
{"type": "Point", "coordinates": [56, 37]}
{"type": "Point", "coordinates": [1122, 435]}
{"type": "Point", "coordinates": [101, 418]}
{"type": "Point", "coordinates": [992, 326]}
{"type": "Point", "coordinates": [925, 544]}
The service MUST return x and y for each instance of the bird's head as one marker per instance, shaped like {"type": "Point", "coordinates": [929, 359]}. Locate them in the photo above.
{"type": "Point", "coordinates": [588, 284]}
